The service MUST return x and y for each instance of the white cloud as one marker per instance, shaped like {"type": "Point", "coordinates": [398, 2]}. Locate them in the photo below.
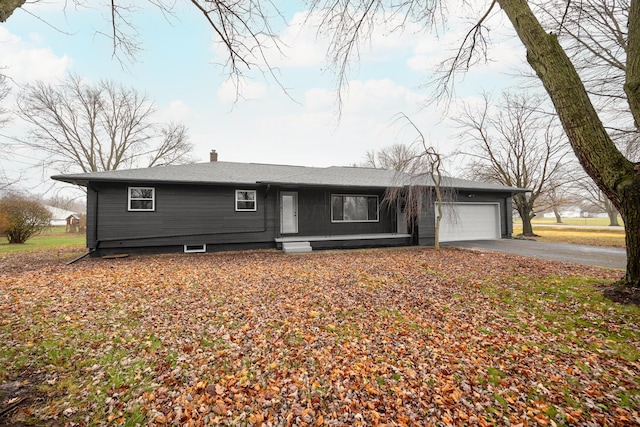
{"type": "Point", "coordinates": [25, 62]}
{"type": "Point", "coordinates": [178, 110]}
{"type": "Point", "coordinates": [313, 134]}
{"type": "Point", "coordinates": [300, 44]}
{"type": "Point", "coordinates": [304, 46]}
{"type": "Point", "coordinates": [373, 96]}
{"type": "Point", "coordinates": [317, 99]}
{"type": "Point", "coordinates": [233, 90]}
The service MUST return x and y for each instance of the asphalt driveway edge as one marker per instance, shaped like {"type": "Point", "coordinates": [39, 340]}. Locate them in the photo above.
{"type": "Point", "coordinates": [598, 256]}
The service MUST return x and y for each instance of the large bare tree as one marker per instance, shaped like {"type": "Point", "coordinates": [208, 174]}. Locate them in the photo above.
{"type": "Point", "coordinates": [98, 127]}
{"type": "Point", "coordinates": [592, 197]}
{"type": "Point", "coordinates": [556, 196]}
{"type": "Point", "coordinates": [541, 26]}
{"type": "Point", "coordinates": [514, 145]}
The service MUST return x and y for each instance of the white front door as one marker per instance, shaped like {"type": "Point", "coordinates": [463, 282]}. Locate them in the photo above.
{"type": "Point", "coordinates": [289, 212]}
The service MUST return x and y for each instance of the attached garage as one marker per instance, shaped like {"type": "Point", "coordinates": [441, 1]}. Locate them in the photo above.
{"type": "Point", "coordinates": [470, 221]}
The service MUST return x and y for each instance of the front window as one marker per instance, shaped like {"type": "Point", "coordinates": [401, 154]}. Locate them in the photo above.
{"type": "Point", "coordinates": [353, 208]}
{"type": "Point", "coordinates": [246, 200]}
{"type": "Point", "coordinates": [142, 198]}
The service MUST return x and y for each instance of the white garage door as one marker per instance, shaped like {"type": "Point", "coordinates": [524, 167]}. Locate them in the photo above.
{"type": "Point", "coordinates": [469, 221]}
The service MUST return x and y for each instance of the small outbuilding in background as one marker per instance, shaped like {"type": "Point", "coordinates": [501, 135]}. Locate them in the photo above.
{"type": "Point", "coordinates": [74, 223]}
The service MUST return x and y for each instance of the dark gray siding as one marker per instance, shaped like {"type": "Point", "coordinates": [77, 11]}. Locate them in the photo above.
{"type": "Point", "coordinates": [426, 223]}
{"type": "Point", "coordinates": [314, 214]}
{"type": "Point", "coordinates": [201, 214]}
{"type": "Point", "coordinates": [192, 215]}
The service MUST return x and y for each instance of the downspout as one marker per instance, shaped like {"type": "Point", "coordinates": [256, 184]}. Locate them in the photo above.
{"type": "Point", "coordinates": [80, 257]}
{"type": "Point", "coordinates": [508, 216]}
{"type": "Point", "coordinates": [95, 219]}
{"type": "Point", "coordinates": [95, 230]}
{"type": "Point", "coordinates": [264, 220]}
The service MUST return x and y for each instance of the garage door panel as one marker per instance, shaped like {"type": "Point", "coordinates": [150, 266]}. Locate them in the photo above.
{"type": "Point", "coordinates": [469, 221]}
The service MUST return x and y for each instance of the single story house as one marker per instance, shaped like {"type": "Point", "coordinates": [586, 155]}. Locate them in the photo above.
{"type": "Point", "coordinates": [58, 216]}
{"type": "Point", "coordinates": [214, 206]}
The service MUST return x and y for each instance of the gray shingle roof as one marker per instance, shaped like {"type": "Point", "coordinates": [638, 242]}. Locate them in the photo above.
{"type": "Point", "coordinates": [256, 173]}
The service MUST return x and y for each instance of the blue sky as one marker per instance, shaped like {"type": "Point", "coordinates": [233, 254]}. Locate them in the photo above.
{"type": "Point", "coordinates": [178, 69]}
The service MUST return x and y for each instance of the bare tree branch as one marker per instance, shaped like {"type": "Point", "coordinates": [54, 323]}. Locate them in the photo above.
{"type": "Point", "coordinates": [474, 40]}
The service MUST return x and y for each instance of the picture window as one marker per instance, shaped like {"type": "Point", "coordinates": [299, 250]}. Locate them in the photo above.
{"type": "Point", "coordinates": [354, 208]}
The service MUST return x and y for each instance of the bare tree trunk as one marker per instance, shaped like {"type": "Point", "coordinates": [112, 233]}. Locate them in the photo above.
{"type": "Point", "coordinates": [523, 206]}
{"type": "Point", "coordinates": [597, 153]}
{"type": "Point", "coordinates": [631, 218]}
{"type": "Point", "coordinates": [613, 219]}
{"type": "Point", "coordinates": [556, 212]}
{"type": "Point", "coordinates": [612, 212]}
{"type": "Point", "coordinates": [527, 228]}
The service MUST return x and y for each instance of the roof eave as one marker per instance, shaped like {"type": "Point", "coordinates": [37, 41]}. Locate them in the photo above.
{"type": "Point", "coordinates": [325, 185]}
{"type": "Point", "coordinates": [85, 181]}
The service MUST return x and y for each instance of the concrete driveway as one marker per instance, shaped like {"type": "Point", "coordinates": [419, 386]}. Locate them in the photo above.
{"type": "Point", "coordinates": [578, 254]}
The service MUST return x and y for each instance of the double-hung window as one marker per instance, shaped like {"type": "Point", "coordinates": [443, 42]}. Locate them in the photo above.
{"type": "Point", "coordinates": [142, 198]}
{"type": "Point", "coordinates": [354, 208]}
{"type": "Point", "coordinates": [246, 200]}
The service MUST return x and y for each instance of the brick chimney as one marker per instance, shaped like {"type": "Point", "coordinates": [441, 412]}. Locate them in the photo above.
{"type": "Point", "coordinates": [213, 156]}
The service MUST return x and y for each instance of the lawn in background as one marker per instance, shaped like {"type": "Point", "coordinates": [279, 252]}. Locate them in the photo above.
{"type": "Point", "coordinates": [591, 222]}
{"type": "Point", "coordinates": [577, 234]}
{"type": "Point", "coordinates": [51, 238]}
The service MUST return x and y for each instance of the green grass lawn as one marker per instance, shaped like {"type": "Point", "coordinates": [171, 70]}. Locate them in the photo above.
{"type": "Point", "coordinates": [53, 238]}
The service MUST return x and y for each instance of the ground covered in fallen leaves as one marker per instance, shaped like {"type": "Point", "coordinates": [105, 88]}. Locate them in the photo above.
{"type": "Point", "coordinates": [372, 337]}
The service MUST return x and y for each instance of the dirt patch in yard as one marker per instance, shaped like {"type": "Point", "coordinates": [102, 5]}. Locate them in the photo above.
{"type": "Point", "coordinates": [405, 336]}
{"type": "Point", "coordinates": [17, 396]}
{"type": "Point", "coordinates": [622, 295]}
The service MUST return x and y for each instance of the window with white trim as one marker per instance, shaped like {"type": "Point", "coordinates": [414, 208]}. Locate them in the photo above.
{"type": "Point", "coordinates": [142, 198]}
{"type": "Point", "coordinates": [246, 200]}
{"type": "Point", "coordinates": [354, 208]}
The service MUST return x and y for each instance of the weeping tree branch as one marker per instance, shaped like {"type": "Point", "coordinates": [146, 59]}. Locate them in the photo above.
{"type": "Point", "coordinates": [419, 168]}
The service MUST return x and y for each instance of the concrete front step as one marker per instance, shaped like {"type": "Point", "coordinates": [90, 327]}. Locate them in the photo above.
{"type": "Point", "coordinates": [296, 247]}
